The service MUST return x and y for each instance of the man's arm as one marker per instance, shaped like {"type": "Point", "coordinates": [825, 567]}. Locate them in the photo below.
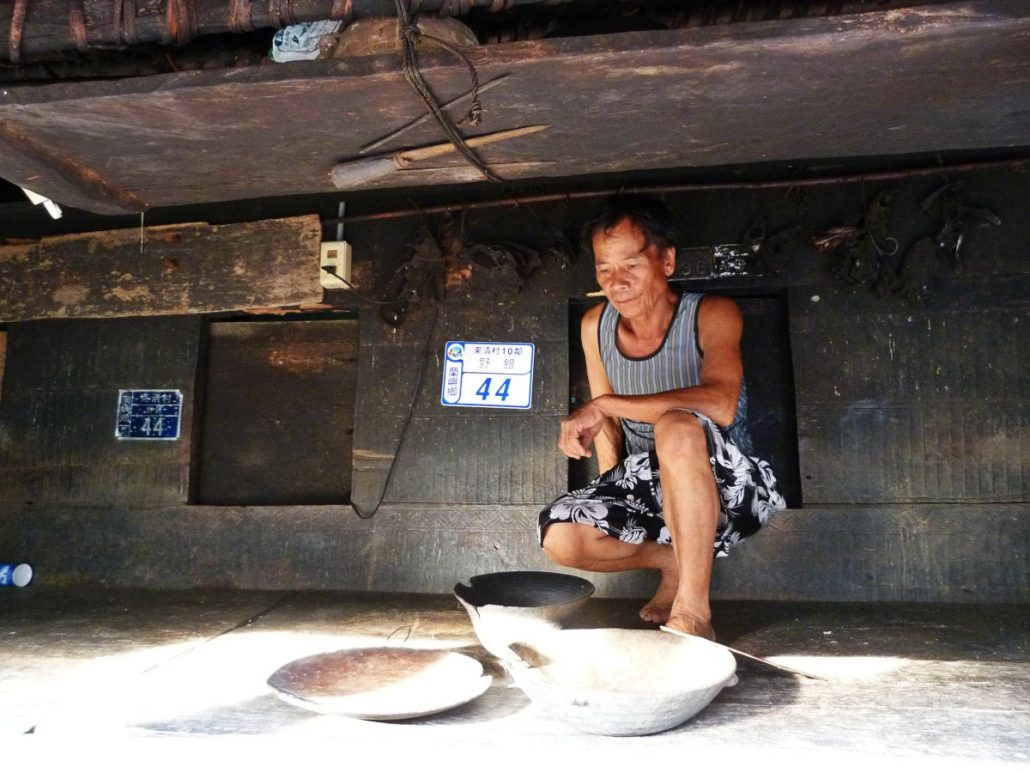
{"type": "Point", "coordinates": [720, 325]}
{"type": "Point", "coordinates": [586, 425]}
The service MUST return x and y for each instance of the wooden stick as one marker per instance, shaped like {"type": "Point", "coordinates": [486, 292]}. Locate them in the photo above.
{"type": "Point", "coordinates": [426, 116]}
{"type": "Point", "coordinates": [361, 172]}
{"type": "Point", "coordinates": [431, 151]}
{"type": "Point", "coordinates": [805, 674]}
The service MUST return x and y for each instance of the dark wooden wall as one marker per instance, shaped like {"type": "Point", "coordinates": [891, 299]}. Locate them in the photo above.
{"type": "Point", "coordinates": [908, 422]}
{"type": "Point", "coordinates": [459, 456]}
{"type": "Point", "coordinates": [928, 405]}
{"type": "Point", "coordinates": [60, 401]}
{"type": "Point", "coordinates": [278, 412]}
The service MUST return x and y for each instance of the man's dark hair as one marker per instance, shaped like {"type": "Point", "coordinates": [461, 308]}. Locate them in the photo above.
{"type": "Point", "coordinates": [648, 214]}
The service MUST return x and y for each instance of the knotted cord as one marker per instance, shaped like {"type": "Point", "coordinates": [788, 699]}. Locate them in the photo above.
{"type": "Point", "coordinates": [410, 35]}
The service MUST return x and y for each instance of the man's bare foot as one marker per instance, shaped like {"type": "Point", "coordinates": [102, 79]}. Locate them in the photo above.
{"type": "Point", "coordinates": [658, 609]}
{"type": "Point", "coordinates": [695, 626]}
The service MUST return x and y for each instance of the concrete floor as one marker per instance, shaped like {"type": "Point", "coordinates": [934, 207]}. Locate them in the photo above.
{"type": "Point", "coordinates": [947, 685]}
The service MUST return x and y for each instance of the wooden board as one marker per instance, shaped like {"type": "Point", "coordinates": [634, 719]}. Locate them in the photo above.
{"type": "Point", "coordinates": [941, 77]}
{"type": "Point", "coordinates": [60, 405]}
{"type": "Point", "coordinates": [458, 454]}
{"type": "Point", "coordinates": [907, 684]}
{"type": "Point", "coordinates": [926, 553]}
{"type": "Point", "coordinates": [922, 404]}
{"type": "Point", "coordinates": [278, 412]}
{"type": "Point", "coordinates": [184, 269]}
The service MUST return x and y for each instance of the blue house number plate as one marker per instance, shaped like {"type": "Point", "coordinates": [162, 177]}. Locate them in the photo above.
{"type": "Point", "coordinates": [148, 414]}
{"type": "Point", "coordinates": [478, 374]}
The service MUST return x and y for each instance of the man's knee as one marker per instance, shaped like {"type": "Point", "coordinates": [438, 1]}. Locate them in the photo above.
{"type": "Point", "coordinates": [680, 436]}
{"type": "Point", "coordinates": [563, 543]}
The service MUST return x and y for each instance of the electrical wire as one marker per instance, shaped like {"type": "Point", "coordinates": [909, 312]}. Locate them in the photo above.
{"type": "Point", "coordinates": [407, 419]}
{"type": "Point", "coordinates": [332, 272]}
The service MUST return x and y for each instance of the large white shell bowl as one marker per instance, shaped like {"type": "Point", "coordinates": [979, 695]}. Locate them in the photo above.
{"type": "Point", "coordinates": [614, 681]}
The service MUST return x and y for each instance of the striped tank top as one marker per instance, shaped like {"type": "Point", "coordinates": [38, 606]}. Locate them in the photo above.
{"type": "Point", "coordinates": [674, 365]}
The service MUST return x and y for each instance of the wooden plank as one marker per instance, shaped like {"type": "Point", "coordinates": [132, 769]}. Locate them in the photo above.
{"type": "Point", "coordinates": [58, 414]}
{"type": "Point", "coordinates": [470, 460]}
{"type": "Point", "coordinates": [278, 412]}
{"type": "Point", "coordinates": [917, 553]}
{"type": "Point", "coordinates": [907, 682]}
{"type": "Point", "coordinates": [934, 552]}
{"type": "Point", "coordinates": [968, 705]}
{"type": "Point", "coordinates": [700, 92]}
{"type": "Point", "coordinates": [458, 454]}
{"type": "Point", "coordinates": [56, 636]}
{"type": "Point", "coordinates": [923, 404]}
{"type": "Point", "coordinates": [192, 268]}
{"type": "Point", "coordinates": [876, 451]}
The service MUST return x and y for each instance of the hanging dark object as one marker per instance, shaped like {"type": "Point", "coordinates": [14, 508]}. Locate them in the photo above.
{"type": "Point", "coordinates": [958, 219]}
{"type": "Point", "coordinates": [498, 268]}
{"type": "Point", "coordinates": [420, 277]}
{"type": "Point", "coordinates": [767, 254]}
{"type": "Point", "coordinates": [869, 254]}
{"type": "Point", "coordinates": [931, 254]}
{"type": "Point", "coordinates": [866, 249]}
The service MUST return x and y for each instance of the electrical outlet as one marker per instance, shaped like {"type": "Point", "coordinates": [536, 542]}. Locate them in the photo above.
{"type": "Point", "coordinates": [335, 264]}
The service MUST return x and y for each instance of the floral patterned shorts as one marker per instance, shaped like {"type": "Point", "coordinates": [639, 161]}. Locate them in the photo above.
{"type": "Point", "coordinates": [626, 501]}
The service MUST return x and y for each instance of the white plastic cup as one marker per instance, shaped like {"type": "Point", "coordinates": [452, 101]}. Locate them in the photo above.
{"type": "Point", "coordinates": [18, 575]}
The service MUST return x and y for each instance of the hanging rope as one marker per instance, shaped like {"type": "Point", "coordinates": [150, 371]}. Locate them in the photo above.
{"type": "Point", "coordinates": [410, 35]}
{"type": "Point", "coordinates": [475, 111]}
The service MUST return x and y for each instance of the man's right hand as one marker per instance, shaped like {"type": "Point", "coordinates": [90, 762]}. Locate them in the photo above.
{"type": "Point", "coordinates": [579, 429]}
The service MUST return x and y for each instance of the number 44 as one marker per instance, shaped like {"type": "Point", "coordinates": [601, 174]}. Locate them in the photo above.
{"type": "Point", "coordinates": [152, 426]}
{"type": "Point", "coordinates": [502, 390]}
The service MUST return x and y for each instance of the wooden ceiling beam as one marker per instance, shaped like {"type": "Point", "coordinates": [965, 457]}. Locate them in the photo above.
{"type": "Point", "coordinates": [939, 78]}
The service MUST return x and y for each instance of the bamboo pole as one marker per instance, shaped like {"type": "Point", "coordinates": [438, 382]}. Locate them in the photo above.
{"type": "Point", "coordinates": [34, 29]}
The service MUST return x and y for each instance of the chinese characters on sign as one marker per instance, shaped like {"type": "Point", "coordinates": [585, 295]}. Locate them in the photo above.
{"type": "Point", "coordinates": [148, 414]}
{"type": "Point", "coordinates": [488, 375]}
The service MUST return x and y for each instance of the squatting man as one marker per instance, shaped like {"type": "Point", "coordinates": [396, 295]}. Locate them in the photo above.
{"type": "Point", "coordinates": [667, 420]}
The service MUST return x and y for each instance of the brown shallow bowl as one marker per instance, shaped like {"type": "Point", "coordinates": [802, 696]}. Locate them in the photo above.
{"type": "Point", "coordinates": [511, 606]}
{"type": "Point", "coordinates": [381, 682]}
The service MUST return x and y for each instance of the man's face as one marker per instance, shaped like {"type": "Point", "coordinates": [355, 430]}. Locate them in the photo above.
{"type": "Point", "coordinates": [632, 275]}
